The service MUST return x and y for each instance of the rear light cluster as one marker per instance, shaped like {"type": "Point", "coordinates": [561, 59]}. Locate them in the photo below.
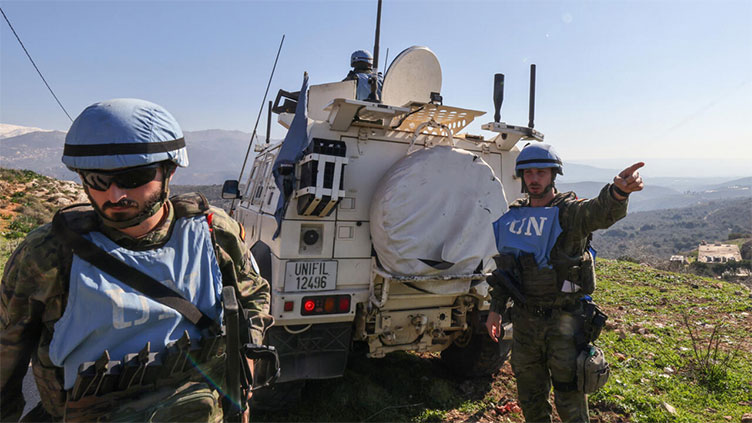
{"type": "Point", "coordinates": [325, 304]}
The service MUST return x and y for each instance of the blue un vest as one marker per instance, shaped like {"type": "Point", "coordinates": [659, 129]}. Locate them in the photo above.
{"type": "Point", "coordinates": [104, 313]}
{"type": "Point", "coordinates": [528, 230]}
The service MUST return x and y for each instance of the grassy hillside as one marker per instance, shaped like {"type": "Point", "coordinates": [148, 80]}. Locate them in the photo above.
{"type": "Point", "coordinates": [28, 200]}
{"type": "Point", "coordinates": [678, 344]}
{"type": "Point", "coordinates": [656, 374]}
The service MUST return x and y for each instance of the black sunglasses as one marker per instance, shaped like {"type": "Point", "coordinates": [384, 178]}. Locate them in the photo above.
{"type": "Point", "coordinates": [125, 179]}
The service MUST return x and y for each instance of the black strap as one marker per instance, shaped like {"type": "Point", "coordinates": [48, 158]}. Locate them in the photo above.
{"type": "Point", "coordinates": [565, 386]}
{"type": "Point", "coordinates": [114, 149]}
{"type": "Point", "coordinates": [130, 276]}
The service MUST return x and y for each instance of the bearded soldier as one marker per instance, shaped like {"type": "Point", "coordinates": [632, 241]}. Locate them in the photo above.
{"type": "Point", "coordinates": [546, 267]}
{"type": "Point", "coordinates": [118, 304]}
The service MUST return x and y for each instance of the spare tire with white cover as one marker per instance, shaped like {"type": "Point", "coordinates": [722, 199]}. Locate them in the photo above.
{"type": "Point", "coordinates": [432, 213]}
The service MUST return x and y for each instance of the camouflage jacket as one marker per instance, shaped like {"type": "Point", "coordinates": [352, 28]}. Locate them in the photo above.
{"type": "Point", "coordinates": [578, 219]}
{"type": "Point", "coordinates": [34, 294]}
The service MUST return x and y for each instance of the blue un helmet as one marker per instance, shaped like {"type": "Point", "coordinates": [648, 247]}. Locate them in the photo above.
{"type": "Point", "coordinates": [538, 156]}
{"type": "Point", "coordinates": [113, 135]}
{"type": "Point", "coordinates": [121, 133]}
{"type": "Point", "coordinates": [361, 59]}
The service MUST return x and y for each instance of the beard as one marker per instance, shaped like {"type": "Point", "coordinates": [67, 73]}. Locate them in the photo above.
{"type": "Point", "coordinates": [134, 209]}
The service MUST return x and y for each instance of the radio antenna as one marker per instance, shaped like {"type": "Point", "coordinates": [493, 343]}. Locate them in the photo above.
{"type": "Point", "coordinates": [531, 115]}
{"type": "Point", "coordinates": [376, 40]}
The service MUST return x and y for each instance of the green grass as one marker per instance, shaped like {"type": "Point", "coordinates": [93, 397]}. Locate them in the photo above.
{"type": "Point", "coordinates": [6, 249]}
{"type": "Point", "coordinates": [32, 212]}
{"type": "Point", "coordinates": [21, 176]}
{"type": "Point", "coordinates": [660, 366]}
{"type": "Point", "coordinates": [652, 363]}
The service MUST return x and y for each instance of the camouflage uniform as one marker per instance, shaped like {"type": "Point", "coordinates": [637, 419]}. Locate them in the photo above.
{"type": "Point", "coordinates": [34, 296]}
{"type": "Point", "coordinates": [546, 327]}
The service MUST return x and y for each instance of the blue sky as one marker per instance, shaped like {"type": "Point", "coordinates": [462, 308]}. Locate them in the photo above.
{"type": "Point", "coordinates": [616, 79]}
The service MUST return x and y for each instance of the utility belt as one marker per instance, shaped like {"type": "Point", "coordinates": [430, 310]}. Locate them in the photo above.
{"type": "Point", "coordinates": [546, 311]}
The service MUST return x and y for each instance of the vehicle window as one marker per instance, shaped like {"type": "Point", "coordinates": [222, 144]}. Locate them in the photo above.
{"type": "Point", "coordinates": [251, 181]}
{"type": "Point", "coordinates": [258, 183]}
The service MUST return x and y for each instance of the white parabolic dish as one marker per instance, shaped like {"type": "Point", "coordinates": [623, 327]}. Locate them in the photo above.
{"type": "Point", "coordinates": [413, 75]}
{"type": "Point", "coordinates": [433, 212]}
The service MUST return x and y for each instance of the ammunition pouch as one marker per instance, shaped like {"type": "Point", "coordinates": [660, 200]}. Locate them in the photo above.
{"type": "Point", "coordinates": [592, 370]}
{"type": "Point", "coordinates": [103, 384]}
{"type": "Point", "coordinates": [580, 272]}
{"type": "Point", "coordinates": [537, 282]}
{"type": "Point", "coordinates": [523, 280]}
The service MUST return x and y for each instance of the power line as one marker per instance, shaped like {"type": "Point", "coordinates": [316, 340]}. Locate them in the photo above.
{"type": "Point", "coordinates": [35, 65]}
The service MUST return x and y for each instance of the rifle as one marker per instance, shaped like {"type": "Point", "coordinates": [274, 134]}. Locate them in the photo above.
{"type": "Point", "coordinates": [238, 375]}
{"type": "Point", "coordinates": [504, 276]}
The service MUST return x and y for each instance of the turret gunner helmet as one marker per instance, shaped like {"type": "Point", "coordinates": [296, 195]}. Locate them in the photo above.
{"type": "Point", "coordinates": [361, 59]}
{"type": "Point", "coordinates": [124, 141]}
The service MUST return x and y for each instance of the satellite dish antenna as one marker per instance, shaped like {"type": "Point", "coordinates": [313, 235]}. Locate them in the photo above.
{"type": "Point", "coordinates": [413, 75]}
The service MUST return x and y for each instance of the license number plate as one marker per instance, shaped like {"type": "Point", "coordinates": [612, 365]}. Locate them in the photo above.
{"type": "Point", "coordinates": [310, 275]}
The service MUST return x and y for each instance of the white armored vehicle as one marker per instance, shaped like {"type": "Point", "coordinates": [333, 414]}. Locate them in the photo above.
{"type": "Point", "coordinates": [383, 236]}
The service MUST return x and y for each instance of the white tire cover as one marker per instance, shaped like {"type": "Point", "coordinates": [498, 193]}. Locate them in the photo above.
{"type": "Point", "coordinates": [436, 204]}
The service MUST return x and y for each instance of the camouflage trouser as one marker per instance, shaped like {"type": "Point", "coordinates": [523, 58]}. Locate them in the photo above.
{"type": "Point", "coordinates": [191, 402]}
{"type": "Point", "coordinates": [544, 352]}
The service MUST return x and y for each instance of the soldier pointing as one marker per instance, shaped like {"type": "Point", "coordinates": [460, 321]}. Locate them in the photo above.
{"type": "Point", "coordinates": [118, 303]}
{"type": "Point", "coordinates": [546, 266]}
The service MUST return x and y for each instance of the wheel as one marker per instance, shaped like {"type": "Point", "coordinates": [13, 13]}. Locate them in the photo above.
{"type": "Point", "coordinates": [478, 356]}
{"type": "Point", "coordinates": [277, 396]}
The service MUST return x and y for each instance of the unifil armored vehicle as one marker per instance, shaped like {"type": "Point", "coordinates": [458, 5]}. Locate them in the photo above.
{"type": "Point", "coordinates": [372, 222]}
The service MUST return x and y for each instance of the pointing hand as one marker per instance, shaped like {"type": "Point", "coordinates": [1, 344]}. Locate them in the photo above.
{"type": "Point", "coordinates": [629, 180]}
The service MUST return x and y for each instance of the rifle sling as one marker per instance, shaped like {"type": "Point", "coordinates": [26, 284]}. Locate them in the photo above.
{"type": "Point", "coordinates": [132, 277]}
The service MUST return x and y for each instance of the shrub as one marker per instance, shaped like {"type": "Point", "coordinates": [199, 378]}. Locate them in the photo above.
{"type": "Point", "coordinates": [709, 363]}
{"type": "Point", "coordinates": [616, 233]}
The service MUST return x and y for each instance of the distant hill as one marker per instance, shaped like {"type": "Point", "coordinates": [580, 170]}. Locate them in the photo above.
{"type": "Point", "coordinates": [215, 155]}
{"type": "Point", "coordinates": [658, 197]}
{"type": "Point", "coordinates": [658, 234]}
{"type": "Point", "coordinates": [7, 131]}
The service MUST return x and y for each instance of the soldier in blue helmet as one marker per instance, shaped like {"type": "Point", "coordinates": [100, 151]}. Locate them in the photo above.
{"type": "Point", "coordinates": [362, 71]}
{"type": "Point", "coordinates": [102, 346]}
{"type": "Point", "coordinates": [545, 266]}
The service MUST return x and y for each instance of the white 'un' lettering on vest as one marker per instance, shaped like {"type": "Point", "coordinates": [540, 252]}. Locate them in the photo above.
{"type": "Point", "coordinates": [536, 224]}
{"type": "Point", "coordinates": [118, 312]}
{"type": "Point", "coordinates": [538, 228]}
